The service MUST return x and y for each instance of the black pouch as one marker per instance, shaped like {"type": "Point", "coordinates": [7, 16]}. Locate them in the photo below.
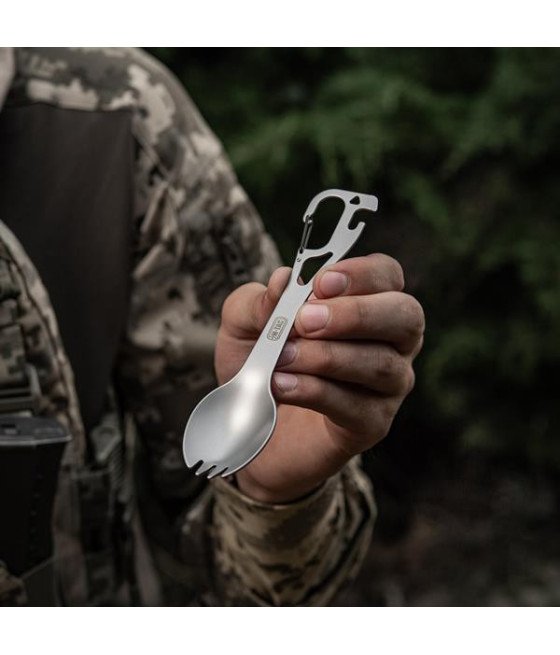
{"type": "Point", "coordinates": [30, 453]}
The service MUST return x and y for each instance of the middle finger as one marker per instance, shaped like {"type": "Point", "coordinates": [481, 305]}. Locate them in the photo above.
{"type": "Point", "coordinates": [391, 316]}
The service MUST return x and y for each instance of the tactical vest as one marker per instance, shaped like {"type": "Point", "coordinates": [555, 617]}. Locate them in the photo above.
{"type": "Point", "coordinates": [66, 505]}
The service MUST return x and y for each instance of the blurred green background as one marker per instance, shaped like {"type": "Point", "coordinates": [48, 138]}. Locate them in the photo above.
{"type": "Point", "coordinates": [462, 147]}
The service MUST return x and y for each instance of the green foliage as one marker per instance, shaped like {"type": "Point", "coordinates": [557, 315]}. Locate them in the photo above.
{"type": "Point", "coordinates": [462, 148]}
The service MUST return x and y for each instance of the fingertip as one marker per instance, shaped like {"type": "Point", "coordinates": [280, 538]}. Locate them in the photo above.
{"type": "Point", "coordinates": [277, 283]}
{"type": "Point", "coordinates": [284, 382]}
{"type": "Point", "coordinates": [331, 283]}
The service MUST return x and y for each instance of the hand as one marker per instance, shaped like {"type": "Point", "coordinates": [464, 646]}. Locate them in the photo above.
{"type": "Point", "coordinates": [341, 377]}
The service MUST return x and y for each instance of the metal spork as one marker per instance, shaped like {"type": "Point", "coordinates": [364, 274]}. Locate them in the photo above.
{"type": "Point", "coordinates": [232, 424]}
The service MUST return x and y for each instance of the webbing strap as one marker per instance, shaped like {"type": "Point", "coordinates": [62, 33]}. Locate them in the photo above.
{"type": "Point", "coordinates": [30, 336]}
{"type": "Point", "coordinates": [19, 385]}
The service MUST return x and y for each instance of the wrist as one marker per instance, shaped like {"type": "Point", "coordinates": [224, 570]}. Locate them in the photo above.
{"type": "Point", "coordinates": [251, 488]}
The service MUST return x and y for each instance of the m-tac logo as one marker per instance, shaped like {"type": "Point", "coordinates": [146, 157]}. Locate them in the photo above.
{"type": "Point", "coordinates": [277, 328]}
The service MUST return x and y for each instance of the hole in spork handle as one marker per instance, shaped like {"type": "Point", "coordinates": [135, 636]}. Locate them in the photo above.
{"type": "Point", "coordinates": [325, 220]}
{"type": "Point", "coordinates": [311, 266]}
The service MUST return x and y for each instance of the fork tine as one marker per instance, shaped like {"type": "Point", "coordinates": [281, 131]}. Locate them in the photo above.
{"type": "Point", "coordinates": [194, 468]}
{"type": "Point", "coordinates": [217, 472]}
{"type": "Point", "coordinates": [205, 468]}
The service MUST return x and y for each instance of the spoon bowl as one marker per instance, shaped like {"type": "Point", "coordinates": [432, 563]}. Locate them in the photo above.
{"type": "Point", "coordinates": [236, 419]}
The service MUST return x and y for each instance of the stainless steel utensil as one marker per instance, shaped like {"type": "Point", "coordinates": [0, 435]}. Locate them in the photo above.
{"type": "Point", "coordinates": [232, 424]}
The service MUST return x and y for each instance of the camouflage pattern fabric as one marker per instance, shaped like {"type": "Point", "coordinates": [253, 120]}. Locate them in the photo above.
{"type": "Point", "coordinates": [322, 537]}
{"type": "Point", "coordinates": [30, 318]}
{"type": "Point", "coordinates": [12, 364]}
{"type": "Point", "coordinates": [29, 333]}
{"type": "Point", "coordinates": [198, 237]}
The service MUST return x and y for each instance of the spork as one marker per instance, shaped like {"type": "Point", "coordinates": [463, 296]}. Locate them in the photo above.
{"type": "Point", "coordinates": [233, 423]}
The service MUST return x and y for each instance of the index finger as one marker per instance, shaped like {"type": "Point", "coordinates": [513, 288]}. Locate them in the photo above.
{"type": "Point", "coordinates": [360, 276]}
{"type": "Point", "coordinates": [394, 317]}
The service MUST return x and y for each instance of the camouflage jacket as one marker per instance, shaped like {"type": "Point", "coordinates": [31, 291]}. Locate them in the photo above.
{"type": "Point", "coordinates": [196, 237]}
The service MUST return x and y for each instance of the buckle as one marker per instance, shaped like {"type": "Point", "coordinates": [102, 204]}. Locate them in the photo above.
{"type": "Point", "coordinates": [22, 397]}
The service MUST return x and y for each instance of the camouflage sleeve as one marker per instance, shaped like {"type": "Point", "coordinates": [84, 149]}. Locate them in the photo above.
{"type": "Point", "coordinates": [199, 237]}
{"type": "Point", "coordinates": [297, 554]}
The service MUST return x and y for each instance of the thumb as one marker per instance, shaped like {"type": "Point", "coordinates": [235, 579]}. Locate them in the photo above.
{"type": "Point", "coordinates": [247, 309]}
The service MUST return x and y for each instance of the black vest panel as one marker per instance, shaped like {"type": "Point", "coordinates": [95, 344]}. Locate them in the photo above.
{"type": "Point", "coordinates": [66, 189]}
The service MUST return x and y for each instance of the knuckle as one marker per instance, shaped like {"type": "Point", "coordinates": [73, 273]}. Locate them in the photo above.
{"type": "Point", "coordinates": [413, 315]}
{"type": "Point", "coordinates": [378, 281]}
{"type": "Point", "coordinates": [360, 419]}
{"type": "Point", "coordinates": [241, 303]}
{"type": "Point", "coordinates": [385, 362]}
{"type": "Point", "coordinates": [386, 416]}
{"type": "Point", "coordinates": [329, 362]}
{"type": "Point", "coordinates": [388, 269]}
{"type": "Point", "coordinates": [384, 429]}
{"type": "Point", "coordinates": [394, 370]}
{"type": "Point", "coordinates": [418, 347]}
{"type": "Point", "coordinates": [313, 389]}
{"type": "Point", "coordinates": [228, 307]}
{"type": "Point", "coordinates": [362, 313]}
{"type": "Point", "coordinates": [410, 380]}
{"type": "Point", "coordinates": [397, 274]}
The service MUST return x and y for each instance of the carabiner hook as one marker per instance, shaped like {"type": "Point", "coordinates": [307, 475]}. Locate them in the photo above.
{"type": "Point", "coordinates": [343, 237]}
{"type": "Point", "coordinates": [308, 226]}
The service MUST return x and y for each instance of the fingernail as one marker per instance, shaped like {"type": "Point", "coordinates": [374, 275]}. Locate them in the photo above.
{"type": "Point", "coordinates": [333, 283]}
{"type": "Point", "coordinates": [287, 355]}
{"type": "Point", "coordinates": [313, 317]}
{"type": "Point", "coordinates": [285, 381]}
